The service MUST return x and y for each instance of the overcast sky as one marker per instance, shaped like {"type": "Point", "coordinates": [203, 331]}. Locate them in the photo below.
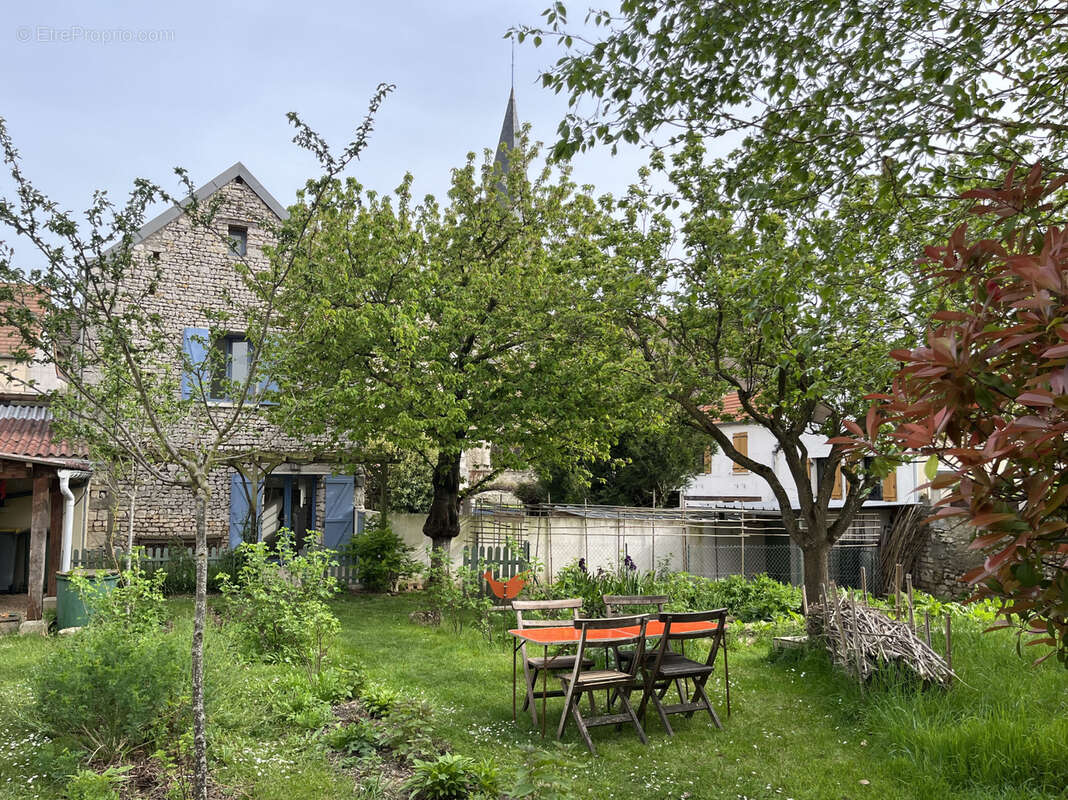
{"type": "Point", "coordinates": [96, 94]}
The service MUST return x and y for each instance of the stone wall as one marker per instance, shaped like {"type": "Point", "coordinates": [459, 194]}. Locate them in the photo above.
{"type": "Point", "coordinates": [945, 557]}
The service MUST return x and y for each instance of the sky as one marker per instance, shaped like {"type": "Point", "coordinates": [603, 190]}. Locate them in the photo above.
{"type": "Point", "coordinates": [98, 94]}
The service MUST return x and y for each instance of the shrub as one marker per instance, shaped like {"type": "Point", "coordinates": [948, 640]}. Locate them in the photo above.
{"type": "Point", "coordinates": [112, 689]}
{"type": "Point", "coordinates": [456, 595]}
{"type": "Point", "coordinates": [747, 599]}
{"type": "Point", "coordinates": [278, 602]}
{"type": "Point", "coordinates": [358, 739]}
{"type": "Point", "coordinates": [379, 700]}
{"type": "Point", "coordinates": [448, 777]}
{"type": "Point", "coordinates": [336, 684]}
{"type": "Point", "coordinates": [88, 785]}
{"type": "Point", "coordinates": [136, 603]}
{"type": "Point", "coordinates": [382, 558]}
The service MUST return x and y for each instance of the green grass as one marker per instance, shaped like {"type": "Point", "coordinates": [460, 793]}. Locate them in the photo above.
{"type": "Point", "coordinates": [798, 729]}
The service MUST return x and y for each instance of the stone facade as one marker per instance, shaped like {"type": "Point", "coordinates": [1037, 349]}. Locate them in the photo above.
{"type": "Point", "coordinates": [186, 274]}
{"type": "Point", "coordinates": [945, 558]}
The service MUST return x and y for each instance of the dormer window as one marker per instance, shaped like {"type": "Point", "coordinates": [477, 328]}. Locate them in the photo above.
{"type": "Point", "coordinates": [238, 240]}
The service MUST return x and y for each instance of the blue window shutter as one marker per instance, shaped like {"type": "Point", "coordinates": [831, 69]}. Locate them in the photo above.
{"type": "Point", "coordinates": [240, 512]}
{"type": "Point", "coordinates": [195, 347]}
{"type": "Point", "coordinates": [337, 526]}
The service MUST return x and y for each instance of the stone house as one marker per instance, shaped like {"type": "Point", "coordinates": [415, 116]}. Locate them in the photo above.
{"type": "Point", "coordinates": [201, 280]}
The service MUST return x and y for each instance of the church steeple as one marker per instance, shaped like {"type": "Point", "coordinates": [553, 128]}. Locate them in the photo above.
{"type": "Point", "coordinates": [509, 131]}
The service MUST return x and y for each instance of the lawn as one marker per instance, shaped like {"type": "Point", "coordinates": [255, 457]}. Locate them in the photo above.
{"type": "Point", "coordinates": [798, 729]}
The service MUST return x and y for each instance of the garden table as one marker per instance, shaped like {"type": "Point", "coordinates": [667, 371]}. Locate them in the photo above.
{"type": "Point", "coordinates": [569, 635]}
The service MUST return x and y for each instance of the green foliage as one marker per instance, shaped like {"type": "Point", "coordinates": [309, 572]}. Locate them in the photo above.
{"type": "Point", "coordinates": [987, 395]}
{"type": "Point", "coordinates": [336, 684]}
{"type": "Point", "coordinates": [747, 599]}
{"type": "Point", "coordinates": [406, 730]}
{"type": "Point", "coordinates": [648, 463]}
{"type": "Point", "coordinates": [358, 738]}
{"type": "Point", "coordinates": [408, 487]}
{"type": "Point", "coordinates": [136, 603]}
{"type": "Point", "coordinates": [449, 777]}
{"type": "Point", "coordinates": [180, 570]}
{"type": "Point", "coordinates": [278, 602]}
{"type": "Point", "coordinates": [112, 689]}
{"type": "Point", "coordinates": [519, 353]}
{"type": "Point", "coordinates": [843, 88]}
{"type": "Point", "coordinates": [378, 700]}
{"type": "Point", "coordinates": [543, 774]}
{"type": "Point", "coordinates": [455, 594]}
{"type": "Point", "coordinates": [89, 785]}
{"type": "Point", "coordinates": [382, 558]}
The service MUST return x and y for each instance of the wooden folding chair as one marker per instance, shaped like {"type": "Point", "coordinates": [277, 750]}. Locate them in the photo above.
{"type": "Point", "coordinates": [533, 666]}
{"type": "Point", "coordinates": [614, 605]}
{"type": "Point", "coordinates": [667, 667]}
{"type": "Point", "coordinates": [587, 682]}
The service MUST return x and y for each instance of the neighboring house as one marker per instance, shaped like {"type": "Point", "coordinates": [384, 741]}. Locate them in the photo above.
{"type": "Point", "coordinates": [302, 493]}
{"type": "Point", "coordinates": [722, 481]}
{"type": "Point", "coordinates": [44, 481]}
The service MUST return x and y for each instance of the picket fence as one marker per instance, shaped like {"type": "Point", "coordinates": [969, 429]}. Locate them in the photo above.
{"type": "Point", "coordinates": [157, 557]}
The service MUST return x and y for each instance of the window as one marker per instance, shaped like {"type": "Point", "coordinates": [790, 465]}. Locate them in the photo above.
{"type": "Point", "coordinates": [821, 476]}
{"type": "Point", "coordinates": [238, 239]}
{"type": "Point", "coordinates": [741, 444]}
{"type": "Point", "coordinates": [235, 353]}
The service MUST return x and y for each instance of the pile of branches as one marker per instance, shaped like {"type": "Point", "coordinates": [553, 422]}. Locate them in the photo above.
{"type": "Point", "coordinates": [862, 641]}
{"type": "Point", "coordinates": [902, 545]}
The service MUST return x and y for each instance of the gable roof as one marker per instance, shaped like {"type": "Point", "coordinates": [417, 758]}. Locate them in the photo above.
{"type": "Point", "coordinates": [732, 409]}
{"type": "Point", "coordinates": [238, 170]}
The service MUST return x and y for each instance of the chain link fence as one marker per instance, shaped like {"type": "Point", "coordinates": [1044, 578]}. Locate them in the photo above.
{"type": "Point", "coordinates": [712, 543]}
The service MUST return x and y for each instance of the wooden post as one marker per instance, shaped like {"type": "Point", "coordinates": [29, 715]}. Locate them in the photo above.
{"type": "Point", "coordinates": [864, 584]}
{"type": "Point", "coordinates": [897, 590]}
{"type": "Point", "coordinates": [949, 640]}
{"type": "Point", "coordinates": [927, 626]}
{"type": "Point", "coordinates": [55, 537]}
{"type": "Point", "coordinates": [804, 601]}
{"type": "Point", "coordinates": [912, 614]}
{"type": "Point", "coordinates": [38, 533]}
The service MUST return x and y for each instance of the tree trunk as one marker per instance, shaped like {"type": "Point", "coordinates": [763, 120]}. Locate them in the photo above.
{"type": "Point", "coordinates": [200, 742]}
{"type": "Point", "coordinates": [817, 573]}
{"type": "Point", "coordinates": [443, 522]}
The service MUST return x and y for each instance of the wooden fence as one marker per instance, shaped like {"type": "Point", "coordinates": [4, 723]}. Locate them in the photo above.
{"type": "Point", "coordinates": [503, 561]}
{"type": "Point", "coordinates": [158, 557]}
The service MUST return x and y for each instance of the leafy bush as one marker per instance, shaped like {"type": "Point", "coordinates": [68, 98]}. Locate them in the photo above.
{"type": "Point", "coordinates": [381, 556]}
{"type": "Point", "coordinates": [277, 601]}
{"type": "Point", "coordinates": [746, 599]}
{"type": "Point", "coordinates": [448, 777]}
{"type": "Point", "coordinates": [456, 595]}
{"type": "Point", "coordinates": [358, 738]}
{"type": "Point", "coordinates": [336, 684]}
{"type": "Point", "coordinates": [136, 603]}
{"type": "Point", "coordinates": [111, 689]}
{"type": "Point", "coordinates": [88, 785]}
{"type": "Point", "coordinates": [543, 774]}
{"type": "Point", "coordinates": [378, 700]}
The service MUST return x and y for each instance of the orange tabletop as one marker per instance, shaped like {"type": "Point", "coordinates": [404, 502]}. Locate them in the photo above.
{"type": "Point", "coordinates": [569, 635]}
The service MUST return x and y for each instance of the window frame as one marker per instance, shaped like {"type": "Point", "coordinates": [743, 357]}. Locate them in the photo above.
{"type": "Point", "coordinates": [238, 242]}
{"type": "Point", "coordinates": [224, 345]}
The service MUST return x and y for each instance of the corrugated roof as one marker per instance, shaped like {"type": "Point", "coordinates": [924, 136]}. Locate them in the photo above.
{"type": "Point", "coordinates": [26, 430]}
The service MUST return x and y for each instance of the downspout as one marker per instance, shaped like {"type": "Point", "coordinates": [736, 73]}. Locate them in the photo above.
{"type": "Point", "coordinates": [64, 476]}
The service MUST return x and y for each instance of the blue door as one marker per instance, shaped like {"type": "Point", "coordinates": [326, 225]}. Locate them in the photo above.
{"type": "Point", "coordinates": [337, 526]}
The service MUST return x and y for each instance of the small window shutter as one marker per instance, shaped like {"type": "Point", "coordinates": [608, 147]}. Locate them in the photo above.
{"type": "Point", "coordinates": [741, 444]}
{"type": "Point", "coordinates": [239, 509]}
{"type": "Point", "coordinates": [708, 460]}
{"type": "Point", "coordinates": [195, 348]}
{"type": "Point", "coordinates": [337, 527]}
{"type": "Point", "coordinates": [890, 487]}
{"type": "Point", "coordinates": [836, 490]}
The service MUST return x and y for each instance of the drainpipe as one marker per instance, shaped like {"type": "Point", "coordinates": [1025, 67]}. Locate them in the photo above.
{"type": "Point", "coordinates": [64, 476]}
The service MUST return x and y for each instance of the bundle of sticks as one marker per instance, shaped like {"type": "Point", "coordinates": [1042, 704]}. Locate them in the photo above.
{"type": "Point", "coordinates": [863, 640]}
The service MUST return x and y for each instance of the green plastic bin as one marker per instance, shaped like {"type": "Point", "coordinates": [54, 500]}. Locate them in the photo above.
{"type": "Point", "coordinates": [70, 608]}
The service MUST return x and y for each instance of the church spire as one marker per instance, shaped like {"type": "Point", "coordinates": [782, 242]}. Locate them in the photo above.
{"type": "Point", "coordinates": [509, 131]}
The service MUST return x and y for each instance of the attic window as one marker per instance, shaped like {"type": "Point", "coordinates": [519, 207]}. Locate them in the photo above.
{"type": "Point", "coordinates": [155, 255]}
{"type": "Point", "coordinates": [238, 239]}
